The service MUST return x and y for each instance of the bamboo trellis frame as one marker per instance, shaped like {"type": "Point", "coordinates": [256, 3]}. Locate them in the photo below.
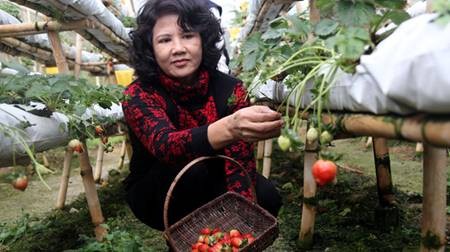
{"type": "Point", "coordinates": [17, 47]}
{"type": "Point", "coordinates": [84, 31]}
{"type": "Point", "coordinates": [32, 28]}
{"type": "Point", "coordinates": [432, 130]}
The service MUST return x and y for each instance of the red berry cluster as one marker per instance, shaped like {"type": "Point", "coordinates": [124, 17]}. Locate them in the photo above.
{"type": "Point", "coordinates": [217, 241]}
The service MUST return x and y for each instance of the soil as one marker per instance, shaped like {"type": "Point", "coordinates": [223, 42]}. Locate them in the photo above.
{"type": "Point", "coordinates": [37, 199]}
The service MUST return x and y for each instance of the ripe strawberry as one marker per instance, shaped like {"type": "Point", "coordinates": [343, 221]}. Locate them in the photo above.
{"type": "Point", "coordinates": [20, 183]}
{"type": "Point", "coordinates": [203, 248]}
{"type": "Point", "coordinates": [236, 242]}
{"type": "Point", "coordinates": [235, 233]}
{"type": "Point", "coordinates": [76, 145]}
{"type": "Point", "coordinates": [196, 245]}
{"type": "Point", "coordinates": [205, 231]}
{"type": "Point", "coordinates": [324, 171]}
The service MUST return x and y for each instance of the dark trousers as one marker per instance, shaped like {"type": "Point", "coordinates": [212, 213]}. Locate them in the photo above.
{"type": "Point", "coordinates": [198, 186]}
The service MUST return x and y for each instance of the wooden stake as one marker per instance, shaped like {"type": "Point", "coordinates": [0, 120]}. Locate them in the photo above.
{"type": "Point", "coordinates": [260, 155]}
{"type": "Point", "coordinates": [99, 162]}
{"type": "Point", "coordinates": [383, 171]}
{"type": "Point", "coordinates": [78, 55]}
{"type": "Point", "coordinates": [434, 206]}
{"type": "Point", "coordinates": [309, 194]}
{"type": "Point", "coordinates": [123, 150]}
{"type": "Point", "coordinates": [91, 194]}
{"type": "Point", "coordinates": [58, 52]}
{"type": "Point", "coordinates": [60, 201]}
{"type": "Point", "coordinates": [314, 15]}
{"type": "Point", "coordinates": [267, 162]}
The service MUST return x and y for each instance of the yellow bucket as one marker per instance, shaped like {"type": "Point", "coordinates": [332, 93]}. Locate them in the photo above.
{"type": "Point", "coordinates": [51, 70]}
{"type": "Point", "coordinates": [124, 77]}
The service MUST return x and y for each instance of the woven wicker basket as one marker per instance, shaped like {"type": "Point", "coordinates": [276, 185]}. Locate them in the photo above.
{"type": "Point", "coordinates": [226, 212]}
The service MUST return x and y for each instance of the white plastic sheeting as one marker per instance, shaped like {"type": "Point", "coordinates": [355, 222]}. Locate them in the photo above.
{"type": "Point", "coordinates": [80, 9]}
{"type": "Point", "coordinates": [406, 73]}
{"type": "Point", "coordinates": [45, 132]}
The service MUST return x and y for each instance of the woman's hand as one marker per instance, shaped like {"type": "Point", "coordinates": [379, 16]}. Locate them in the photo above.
{"type": "Point", "coordinates": [250, 124]}
{"type": "Point", "coordinates": [255, 123]}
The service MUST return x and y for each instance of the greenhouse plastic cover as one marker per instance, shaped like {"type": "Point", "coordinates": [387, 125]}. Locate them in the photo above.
{"type": "Point", "coordinates": [406, 73]}
{"type": "Point", "coordinates": [45, 132]}
{"type": "Point", "coordinates": [91, 8]}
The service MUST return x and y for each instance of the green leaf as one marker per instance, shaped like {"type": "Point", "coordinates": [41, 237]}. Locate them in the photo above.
{"type": "Point", "coordinates": [279, 23]}
{"type": "Point", "coordinates": [326, 27]}
{"type": "Point", "coordinates": [351, 43]}
{"type": "Point", "coordinates": [392, 4]}
{"type": "Point", "coordinates": [298, 26]}
{"type": "Point", "coordinates": [325, 6]}
{"type": "Point", "coordinates": [249, 61]}
{"type": "Point", "coordinates": [253, 43]}
{"type": "Point", "coordinates": [398, 16]}
{"type": "Point", "coordinates": [273, 34]}
{"type": "Point", "coordinates": [355, 14]}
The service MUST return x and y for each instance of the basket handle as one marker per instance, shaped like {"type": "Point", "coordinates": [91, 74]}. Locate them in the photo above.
{"type": "Point", "coordinates": [186, 168]}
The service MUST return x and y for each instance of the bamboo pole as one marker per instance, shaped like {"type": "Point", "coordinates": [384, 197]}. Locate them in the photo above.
{"type": "Point", "coordinates": [16, 47]}
{"type": "Point", "coordinates": [260, 155]}
{"type": "Point", "coordinates": [99, 162]}
{"type": "Point", "coordinates": [123, 151]}
{"type": "Point", "coordinates": [309, 195]}
{"type": "Point", "coordinates": [58, 52]}
{"type": "Point", "coordinates": [435, 130]}
{"type": "Point", "coordinates": [383, 172]}
{"type": "Point", "coordinates": [429, 6]}
{"type": "Point", "coordinates": [60, 201]}
{"type": "Point", "coordinates": [434, 213]}
{"type": "Point", "coordinates": [314, 15]}
{"type": "Point", "coordinates": [91, 194]}
{"type": "Point", "coordinates": [24, 47]}
{"type": "Point", "coordinates": [129, 147]}
{"type": "Point", "coordinates": [32, 28]}
{"type": "Point", "coordinates": [78, 55]}
{"type": "Point", "coordinates": [267, 161]}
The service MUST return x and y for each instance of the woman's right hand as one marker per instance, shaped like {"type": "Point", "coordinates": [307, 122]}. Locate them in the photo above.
{"type": "Point", "coordinates": [255, 123]}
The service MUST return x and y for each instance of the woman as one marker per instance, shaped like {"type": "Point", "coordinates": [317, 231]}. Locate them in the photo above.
{"type": "Point", "coordinates": [180, 108]}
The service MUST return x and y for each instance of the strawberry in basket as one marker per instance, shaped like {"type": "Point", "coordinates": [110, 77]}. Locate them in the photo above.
{"type": "Point", "coordinates": [217, 241]}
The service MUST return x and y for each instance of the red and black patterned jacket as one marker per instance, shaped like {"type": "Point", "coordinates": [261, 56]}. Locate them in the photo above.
{"type": "Point", "coordinates": [169, 140]}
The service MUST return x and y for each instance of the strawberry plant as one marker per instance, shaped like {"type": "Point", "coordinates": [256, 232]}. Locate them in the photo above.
{"type": "Point", "coordinates": [64, 94]}
{"type": "Point", "coordinates": [307, 56]}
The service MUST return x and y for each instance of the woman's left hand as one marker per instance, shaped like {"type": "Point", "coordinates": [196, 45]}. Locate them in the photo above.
{"type": "Point", "coordinates": [255, 123]}
{"type": "Point", "coordinates": [249, 124]}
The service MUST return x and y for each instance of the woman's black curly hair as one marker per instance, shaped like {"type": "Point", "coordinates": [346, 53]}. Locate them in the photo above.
{"type": "Point", "coordinates": [193, 15]}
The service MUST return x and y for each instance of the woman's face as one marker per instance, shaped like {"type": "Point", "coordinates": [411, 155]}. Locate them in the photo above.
{"type": "Point", "coordinates": [177, 53]}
